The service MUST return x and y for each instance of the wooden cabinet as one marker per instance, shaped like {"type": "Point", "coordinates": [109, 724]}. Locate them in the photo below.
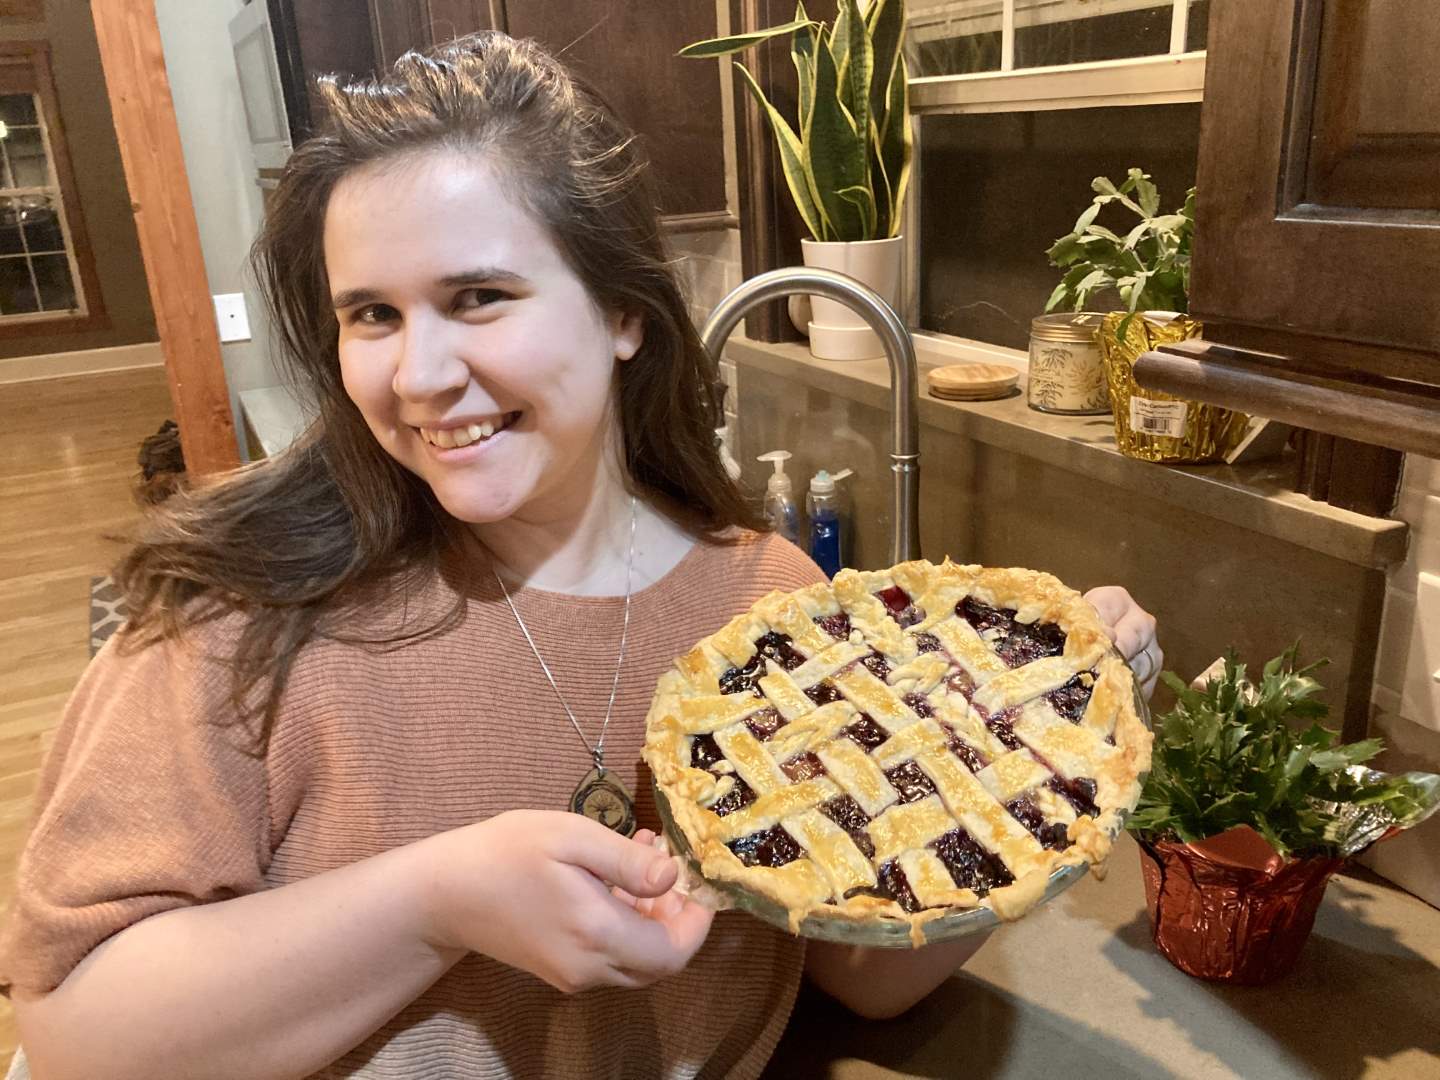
{"type": "Point", "coordinates": [1319, 177]}
{"type": "Point", "coordinates": [1317, 247]}
{"type": "Point", "coordinates": [626, 50]}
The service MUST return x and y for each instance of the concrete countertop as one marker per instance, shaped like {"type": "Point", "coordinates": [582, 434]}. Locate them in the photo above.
{"type": "Point", "coordinates": [1077, 990]}
{"type": "Point", "coordinates": [1254, 496]}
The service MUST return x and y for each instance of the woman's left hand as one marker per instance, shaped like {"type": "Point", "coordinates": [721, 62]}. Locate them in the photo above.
{"type": "Point", "coordinates": [1132, 628]}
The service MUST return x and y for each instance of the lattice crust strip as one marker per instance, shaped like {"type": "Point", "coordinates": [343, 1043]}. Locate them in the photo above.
{"type": "Point", "coordinates": [901, 744]}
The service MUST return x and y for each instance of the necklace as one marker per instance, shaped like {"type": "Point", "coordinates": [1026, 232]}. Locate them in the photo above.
{"type": "Point", "coordinates": [600, 796]}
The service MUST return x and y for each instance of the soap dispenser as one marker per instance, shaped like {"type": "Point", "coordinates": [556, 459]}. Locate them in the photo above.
{"type": "Point", "coordinates": [780, 508]}
{"type": "Point", "coordinates": [823, 506]}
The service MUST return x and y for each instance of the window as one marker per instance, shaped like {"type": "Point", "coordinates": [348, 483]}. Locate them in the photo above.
{"type": "Point", "coordinates": [47, 281]}
{"type": "Point", "coordinates": [1019, 104]}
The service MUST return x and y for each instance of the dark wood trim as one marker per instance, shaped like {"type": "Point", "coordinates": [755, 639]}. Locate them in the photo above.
{"type": "Point", "coordinates": [1321, 355]}
{"type": "Point", "coordinates": [133, 59]}
{"type": "Point", "coordinates": [704, 222]}
{"type": "Point", "coordinates": [1402, 416]}
{"type": "Point", "coordinates": [37, 55]}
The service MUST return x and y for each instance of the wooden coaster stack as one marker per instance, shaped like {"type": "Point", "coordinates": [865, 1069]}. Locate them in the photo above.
{"type": "Point", "coordinates": [972, 382]}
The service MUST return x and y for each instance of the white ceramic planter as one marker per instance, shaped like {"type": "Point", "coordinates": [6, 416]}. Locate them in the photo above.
{"type": "Point", "coordinates": [836, 332]}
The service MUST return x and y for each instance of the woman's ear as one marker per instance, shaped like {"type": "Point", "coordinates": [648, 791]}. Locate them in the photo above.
{"type": "Point", "coordinates": [627, 331]}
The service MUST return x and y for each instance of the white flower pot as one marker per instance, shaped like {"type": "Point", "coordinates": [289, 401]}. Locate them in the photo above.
{"type": "Point", "coordinates": [836, 332]}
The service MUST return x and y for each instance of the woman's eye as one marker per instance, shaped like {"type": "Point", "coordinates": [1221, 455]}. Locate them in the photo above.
{"type": "Point", "coordinates": [472, 299]}
{"type": "Point", "coordinates": [374, 314]}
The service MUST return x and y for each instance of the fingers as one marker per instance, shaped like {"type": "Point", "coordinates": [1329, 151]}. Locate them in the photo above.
{"type": "Point", "coordinates": [660, 944]}
{"type": "Point", "coordinates": [634, 867]}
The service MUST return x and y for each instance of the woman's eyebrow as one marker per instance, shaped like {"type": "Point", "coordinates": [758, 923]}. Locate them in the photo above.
{"type": "Point", "coordinates": [489, 275]}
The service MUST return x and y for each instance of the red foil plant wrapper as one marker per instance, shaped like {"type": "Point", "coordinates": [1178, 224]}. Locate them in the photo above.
{"type": "Point", "coordinates": [1246, 815]}
{"type": "Point", "coordinates": [1230, 908]}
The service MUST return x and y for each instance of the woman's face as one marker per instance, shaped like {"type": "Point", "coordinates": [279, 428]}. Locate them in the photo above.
{"type": "Point", "coordinates": [475, 354]}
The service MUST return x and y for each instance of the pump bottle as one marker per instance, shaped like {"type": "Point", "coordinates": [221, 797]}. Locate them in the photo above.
{"type": "Point", "coordinates": [780, 507]}
{"type": "Point", "coordinates": [823, 507]}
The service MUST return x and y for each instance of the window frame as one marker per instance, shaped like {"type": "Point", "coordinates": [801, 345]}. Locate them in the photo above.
{"type": "Point", "coordinates": [32, 58]}
{"type": "Point", "coordinates": [1167, 78]}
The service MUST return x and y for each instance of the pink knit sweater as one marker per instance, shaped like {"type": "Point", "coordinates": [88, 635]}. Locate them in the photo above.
{"type": "Point", "coordinates": [147, 804]}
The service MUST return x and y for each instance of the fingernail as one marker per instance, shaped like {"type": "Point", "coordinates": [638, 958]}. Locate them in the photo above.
{"type": "Point", "coordinates": [657, 872]}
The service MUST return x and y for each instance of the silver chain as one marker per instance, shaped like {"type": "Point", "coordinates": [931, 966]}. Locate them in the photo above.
{"type": "Point", "coordinates": [598, 750]}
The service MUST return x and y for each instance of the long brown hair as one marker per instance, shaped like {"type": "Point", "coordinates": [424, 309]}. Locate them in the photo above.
{"type": "Point", "coordinates": [298, 543]}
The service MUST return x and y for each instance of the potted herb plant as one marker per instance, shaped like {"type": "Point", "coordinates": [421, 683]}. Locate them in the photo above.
{"type": "Point", "coordinates": [1250, 806]}
{"type": "Point", "coordinates": [846, 158]}
{"type": "Point", "coordinates": [1149, 267]}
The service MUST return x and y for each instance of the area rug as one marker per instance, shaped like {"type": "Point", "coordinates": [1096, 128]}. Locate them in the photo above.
{"type": "Point", "coordinates": [107, 611]}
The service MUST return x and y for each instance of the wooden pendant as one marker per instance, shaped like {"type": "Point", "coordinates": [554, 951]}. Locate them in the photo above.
{"type": "Point", "coordinates": [602, 797]}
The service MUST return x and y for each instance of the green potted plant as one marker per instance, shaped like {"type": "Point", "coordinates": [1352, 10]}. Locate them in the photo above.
{"type": "Point", "coordinates": [1251, 804]}
{"type": "Point", "coordinates": [1149, 267]}
{"type": "Point", "coordinates": [846, 159]}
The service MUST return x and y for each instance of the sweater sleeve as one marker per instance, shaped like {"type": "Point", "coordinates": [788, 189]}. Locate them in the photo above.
{"type": "Point", "coordinates": [152, 798]}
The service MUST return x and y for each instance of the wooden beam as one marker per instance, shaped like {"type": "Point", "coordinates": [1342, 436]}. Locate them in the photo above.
{"type": "Point", "coordinates": [150, 150]}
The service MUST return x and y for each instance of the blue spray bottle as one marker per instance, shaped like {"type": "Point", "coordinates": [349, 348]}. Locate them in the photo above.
{"type": "Point", "coordinates": [823, 506]}
{"type": "Point", "coordinates": [780, 508]}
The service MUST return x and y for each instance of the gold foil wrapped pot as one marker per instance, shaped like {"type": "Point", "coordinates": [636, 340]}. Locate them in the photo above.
{"type": "Point", "coordinates": [1151, 424]}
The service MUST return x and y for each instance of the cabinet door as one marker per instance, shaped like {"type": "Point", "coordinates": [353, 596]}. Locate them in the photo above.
{"type": "Point", "coordinates": [1319, 180]}
{"type": "Point", "coordinates": [627, 52]}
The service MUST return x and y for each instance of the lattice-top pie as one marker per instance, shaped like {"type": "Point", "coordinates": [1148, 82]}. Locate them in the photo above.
{"type": "Point", "coordinates": [901, 744]}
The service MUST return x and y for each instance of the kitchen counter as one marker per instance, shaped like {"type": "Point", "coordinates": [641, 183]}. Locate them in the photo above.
{"type": "Point", "coordinates": [1077, 990]}
{"type": "Point", "coordinates": [1254, 496]}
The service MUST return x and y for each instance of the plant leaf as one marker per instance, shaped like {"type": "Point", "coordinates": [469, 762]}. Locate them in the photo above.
{"type": "Point", "coordinates": [855, 67]}
{"type": "Point", "coordinates": [886, 22]}
{"type": "Point", "coordinates": [792, 161]}
{"type": "Point", "coordinates": [896, 142]}
{"type": "Point", "coordinates": [802, 55]}
{"type": "Point", "coordinates": [835, 150]}
{"type": "Point", "coordinates": [726, 45]}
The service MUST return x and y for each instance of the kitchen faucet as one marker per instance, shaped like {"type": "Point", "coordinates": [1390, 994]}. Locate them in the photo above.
{"type": "Point", "coordinates": [899, 350]}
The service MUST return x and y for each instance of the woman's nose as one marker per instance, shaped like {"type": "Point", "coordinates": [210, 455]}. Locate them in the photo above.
{"type": "Point", "coordinates": [429, 364]}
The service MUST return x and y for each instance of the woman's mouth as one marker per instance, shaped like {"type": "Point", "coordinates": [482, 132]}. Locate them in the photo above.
{"type": "Point", "coordinates": [445, 442]}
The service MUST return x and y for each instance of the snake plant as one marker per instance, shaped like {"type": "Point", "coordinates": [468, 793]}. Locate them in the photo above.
{"type": "Point", "coordinates": [848, 165]}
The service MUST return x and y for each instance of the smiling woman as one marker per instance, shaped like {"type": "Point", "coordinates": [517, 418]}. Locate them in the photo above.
{"type": "Point", "coordinates": [349, 668]}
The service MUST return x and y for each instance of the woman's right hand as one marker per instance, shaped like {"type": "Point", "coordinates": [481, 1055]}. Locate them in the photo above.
{"type": "Point", "coordinates": [533, 889]}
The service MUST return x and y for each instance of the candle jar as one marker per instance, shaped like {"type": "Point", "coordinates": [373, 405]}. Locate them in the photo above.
{"type": "Point", "coordinates": [1067, 371]}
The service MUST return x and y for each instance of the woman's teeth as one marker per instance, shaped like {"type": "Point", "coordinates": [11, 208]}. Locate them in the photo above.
{"type": "Point", "coordinates": [450, 438]}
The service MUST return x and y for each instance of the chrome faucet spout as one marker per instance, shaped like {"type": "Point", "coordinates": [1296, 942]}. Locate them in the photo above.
{"type": "Point", "coordinates": [904, 380]}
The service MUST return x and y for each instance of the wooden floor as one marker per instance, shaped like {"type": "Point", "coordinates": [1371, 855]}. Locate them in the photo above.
{"type": "Point", "coordinates": [67, 457]}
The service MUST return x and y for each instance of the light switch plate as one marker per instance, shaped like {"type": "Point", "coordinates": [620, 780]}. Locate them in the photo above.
{"type": "Point", "coordinates": [231, 316]}
{"type": "Point", "coordinates": [1421, 698]}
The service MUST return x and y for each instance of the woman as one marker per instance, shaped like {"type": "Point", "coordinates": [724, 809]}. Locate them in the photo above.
{"type": "Point", "coordinates": [309, 818]}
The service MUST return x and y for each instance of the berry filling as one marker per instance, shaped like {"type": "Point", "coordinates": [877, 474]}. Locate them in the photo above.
{"type": "Point", "coordinates": [846, 812]}
{"type": "Point", "coordinates": [837, 626]}
{"type": "Point", "coordinates": [1002, 726]}
{"type": "Point", "coordinates": [1028, 814]}
{"type": "Point", "coordinates": [803, 767]}
{"type": "Point", "coordinates": [921, 706]}
{"type": "Point", "coordinates": [773, 847]}
{"type": "Point", "coordinates": [822, 693]}
{"type": "Point", "coordinates": [1079, 793]}
{"type": "Point", "coordinates": [1070, 700]}
{"type": "Point", "coordinates": [973, 759]}
{"type": "Point", "coordinates": [897, 603]}
{"type": "Point", "coordinates": [960, 682]}
{"type": "Point", "coordinates": [892, 885]}
{"type": "Point", "coordinates": [969, 864]}
{"type": "Point", "coordinates": [764, 723]}
{"type": "Point", "coordinates": [704, 752]}
{"type": "Point", "coordinates": [927, 642]}
{"type": "Point", "coordinates": [739, 797]}
{"type": "Point", "coordinates": [1028, 642]}
{"type": "Point", "coordinates": [910, 781]}
{"type": "Point", "coordinates": [984, 617]}
{"type": "Point", "coordinates": [866, 732]}
{"type": "Point", "coordinates": [877, 665]}
{"type": "Point", "coordinates": [772, 646]}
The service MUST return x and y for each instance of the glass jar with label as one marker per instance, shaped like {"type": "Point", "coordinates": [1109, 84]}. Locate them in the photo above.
{"type": "Point", "coordinates": [1067, 371]}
